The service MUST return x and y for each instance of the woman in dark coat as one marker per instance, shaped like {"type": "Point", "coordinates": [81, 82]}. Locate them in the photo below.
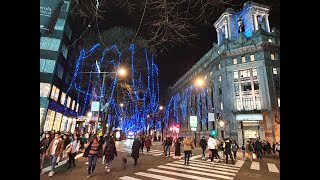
{"type": "Point", "coordinates": [109, 152]}
{"type": "Point", "coordinates": [177, 150]}
{"type": "Point", "coordinates": [135, 149]}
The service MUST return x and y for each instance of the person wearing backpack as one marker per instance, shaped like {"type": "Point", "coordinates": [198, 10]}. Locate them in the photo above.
{"type": "Point", "coordinates": [249, 149]}
{"type": "Point", "coordinates": [243, 148]}
{"type": "Point", "coordinates": [234, 148]}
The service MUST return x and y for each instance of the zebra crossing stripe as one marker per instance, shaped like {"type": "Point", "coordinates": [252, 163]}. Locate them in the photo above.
{"type": "Point", "coordinates": [129, 178]}
{"type": "Point", "coordinates": [208, 166]}
{"type": "Point", "coordinates": [222, 165]}
{"type": "Point", "coordinates": [239, 163]}
{"type": "Point", "coordinates": [255, 165]}
{"type": "Point", "coordinates": [179, 174]}
{"type": "Point", "coordinates": [202, 169]}
{"type": "Point", "coordinates": [196, 172]}
{"type": "Point", "coordinates": [154, 176]}
{"type": "Point", "coordinates": [272, 168]}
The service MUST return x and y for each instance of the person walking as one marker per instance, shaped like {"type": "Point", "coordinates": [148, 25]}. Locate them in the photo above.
{"type": "Point", "coordinates": [278, 148]}
{"type": "Point", "coordinates": [227, 150]}
{"type": "Point", "coordinates": [44, 144]}
{"type": "Point", "coordinates": [177, 149]}
{"type": "Point", "coordinates": [54, 151]}
{"type": "Point", "coordinates": [258, 148]}
{"type": "Point", "coordinates": [203, 145]}
{"type": "Point", "coordinates": [243, 149]}
{"type": "Point", "coordinates": [234, 148]}
{"type": "Point", "coordinates": [109, 153]}
{"type": "Point", "coordinates": [213, 148]}
{"type": "Point", "coordinates": [187, 147]}
{"type": "Point", "coordinates": [135, 149]}
{"type": "Point", "coordinates": [164, 146]}
{"type": "Point", "coordinates": [249, 149]}
{"type": "Point", "coordinates": [148, 144]}
{"type": "Point", "coordinates": [142, 140]}
{"type": "Point", "coordinates": [93, 152]}
{"type": "Point", "coordinates": [75, 147]}
{"type": "Point", "coordinates": [102, 142]}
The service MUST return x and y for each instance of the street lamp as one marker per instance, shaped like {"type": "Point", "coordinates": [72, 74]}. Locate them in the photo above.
{"type": "Point", "coordinates": [121, 105]}
{"type": "Point", "coordinates": [122, 72]}
{"type": "Point", "coordinates": [200, 82]}
{"type": "Point", "coordinates": [221, 123]}
{"type": "Point", "coordinates": [161, 107]}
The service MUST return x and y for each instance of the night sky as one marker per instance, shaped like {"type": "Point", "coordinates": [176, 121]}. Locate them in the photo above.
{"type": "Point", "coordinates": [178, 60]}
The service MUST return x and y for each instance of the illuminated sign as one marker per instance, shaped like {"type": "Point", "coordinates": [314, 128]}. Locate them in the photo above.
{"type": "Point", "coordinates": [211, 117]}
{"type": "Point", "coordinates": [249, 117]}
{"type": "Point", "coordinates": [193, 122]}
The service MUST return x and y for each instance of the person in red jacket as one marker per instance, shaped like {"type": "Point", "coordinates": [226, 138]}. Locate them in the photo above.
{"type": "Point", "coordinates": [148, 144]}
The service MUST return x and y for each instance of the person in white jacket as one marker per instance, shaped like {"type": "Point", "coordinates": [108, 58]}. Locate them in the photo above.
{"type": "Point", "coordinates": [213, 147]}
{"type": "Point", "coordinates": [74, 149]}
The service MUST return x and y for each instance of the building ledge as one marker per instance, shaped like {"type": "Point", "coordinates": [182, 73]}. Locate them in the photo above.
{"type": "Point", "coordinates": [255, 111]}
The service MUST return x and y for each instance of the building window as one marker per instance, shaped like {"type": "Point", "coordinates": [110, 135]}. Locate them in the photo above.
{"type": "Point", "coordinates": [236, 89]}
{"type": "Point", "coordinates": [272, 56]}
{"type": "Point", "coordinates": [220, 90]}
{"type": "Point", "coordinates": [205, 77]}
{"type": "Point", "coordinates": [219, 66]}
{"type": "Point", "coordinates": [245, 74]}
{"type": "Point", "coordinates": [238, 104]}
{"type": "Point", "coordinates": [254, 74]}
{"type": "Point", "coordinates": [235, 76]}
{"type": "Point", "coordinates": [219, 78]}
{"type": "Point", "coordinates": [44, 89]}
{"type": "Point", "coordinates": [278, 102]}
{"type": "Point", "coordinates": [73, 104]}
{"type": "Point", "coordinates": [56, 94]}
{"type": "Point", "coordinates": [49, 120]}
{"type": "Point", "coordinates": [243, 59]}
{"type": "Point", "coordinates": [47, 65]}
{"type": "Point", "coordinates": [221, 106]}
{"type": "Point", "coordinates": [47, 43]}
{"type": "Point", "coordinates": [63, 98]}
{"type": "Point", "coordinates": [247, 103]}
{"type": "Point", "coordinates": [211, 73]}
{"type": "Point", "coordinates": [270, 40]}
{"type": "Point", "coordinates": [53, 91]}
{"type": "Point", "coordinates": [60, 71]}
{"type": "Point", "coordinates": [77, 107]}
{"type": "Point", "coordinates": [64, 51]}
{"type": "Point", "coordinates": [68, 102]}
{"type": "Point", "coordinates": [235, 61]}
{"type": "Point", "coordinates": [246, 87]}
{"type": "Point", "coordinates": [252, 58]}
{"type": "Point", "coordinates": [60, 24]}
{"type": "Point", "coordinates": [57, 122]}
{"type": "Point", "coordinates": [258, 103]}
{"type": "Point", "coordinates": [256, 85]}
{"type": "Point", "coordinates": [65, 6]}
{"type": "Point", "coordinates": [275, 70]}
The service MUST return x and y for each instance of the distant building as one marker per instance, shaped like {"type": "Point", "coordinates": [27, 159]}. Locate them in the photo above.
{"type": "Point", "coordinates": [58, 111]}
{"type": "Point", "coordinates": [243, 70]}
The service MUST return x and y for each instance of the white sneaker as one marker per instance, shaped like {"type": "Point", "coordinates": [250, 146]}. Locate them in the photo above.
{"type": "Point", "coordinates": [51, 173]}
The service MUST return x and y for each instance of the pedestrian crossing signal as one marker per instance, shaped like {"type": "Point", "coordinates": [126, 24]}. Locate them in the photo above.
{"type": "Point", "coordinates": [213, 132]}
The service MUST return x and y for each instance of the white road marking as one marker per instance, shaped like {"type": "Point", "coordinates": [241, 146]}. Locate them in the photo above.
{"type": "Point", "coordinates": [202, 169]}
{"type": "Point", "coordinates": [195, 157]}
{"type": "Point", "coordinates": [179, 174]}
{"type": "Point", "coordinates": [272, 168]}
{"type": "Point", "coordinates": [196, 172]}
{"type": "Point", "coordinates": [154, 176]}
{"type": "Point", "coordinates": [129, 178]}
{"type": "Point", "coordinates": [208, 166]}
{"type": "Point", "coordinates": [221, 164]}
{"type": "Point", "coordinates": [239, 163]}
{"type": "Point", "coordinates": [47, 169]}
{"type": "Point", "coordinates": [255, 165]}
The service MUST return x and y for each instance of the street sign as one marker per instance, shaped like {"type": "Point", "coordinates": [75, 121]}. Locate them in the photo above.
{"type": "Point", "coordinates": [193, 122]}
{"type": "Point", "coordinates": [95, 106]}
{"type": "Point", "coordinates": [211, 117]}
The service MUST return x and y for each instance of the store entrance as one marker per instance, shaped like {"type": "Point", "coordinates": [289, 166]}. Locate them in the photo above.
{"type": "Point", "coordinates": [250, 130]}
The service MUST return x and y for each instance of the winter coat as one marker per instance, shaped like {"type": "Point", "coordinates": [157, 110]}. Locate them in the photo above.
{"type": "Point", "coordinates": [148, 143]}
{"type": "Point", "coordinates": [203, 143]}
{"type": "Point", "coordinates": [110, 149]}
{"type": "Point", "coordinates": [44, 144]}
{"type": "Point", "coordinates": [177, 150]}
{"type": "Point", "coordinates": [135, 148]}
{"type": "Point", "coordinates": [212, 143]}
{"type": "Point", "coordinates": [86, 151]}
{"type": "Point", "coordinates": [257, 145]}
{"type": "Point", "coordinates": [227, 145]}
{"type": "Point", "coordinates": [187, 144]}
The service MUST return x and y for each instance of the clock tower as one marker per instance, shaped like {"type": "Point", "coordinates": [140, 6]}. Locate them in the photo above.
{"type": "Point", "coordinates": [231, 23]}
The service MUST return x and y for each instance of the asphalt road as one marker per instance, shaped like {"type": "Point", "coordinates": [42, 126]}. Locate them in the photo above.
{"type": "Point", "coordinates": [154, 166]}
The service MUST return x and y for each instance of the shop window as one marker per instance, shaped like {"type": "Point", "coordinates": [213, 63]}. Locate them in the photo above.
{"type": "Point", "coordinates": [49, 120]}
{"type": "Point", "coordinates": [77, 107]}
{"type": "Point", "coordinates": [53, 91]}
{"type": "Point", "coordinates": [57, 122]}
{"type": "Point", "coordinates": [73, 104]}
{"type": "Point", "coordinates": [56, 94]}
{"type": "Point", "coordinates": [44, 89]}
{"type": "Point", "coordinates": [63, 98]}
{"type": "Point", "coordinates": [68, 102]}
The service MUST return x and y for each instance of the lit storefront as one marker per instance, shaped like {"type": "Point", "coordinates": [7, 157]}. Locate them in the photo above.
{"type": "Point", "coordinates": [250, 127]}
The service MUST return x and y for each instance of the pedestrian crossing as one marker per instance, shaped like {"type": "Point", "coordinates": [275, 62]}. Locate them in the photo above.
{"type": "Point", "coordinates": [197, 169]}
{"type": "Point", "coordinates": [153, 152]}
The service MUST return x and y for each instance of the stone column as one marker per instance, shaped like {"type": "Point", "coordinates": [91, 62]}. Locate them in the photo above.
{"type": "Point", "coordinates": [218, 34]}
{"type": "Point", "coordinates": [226, 29]}
{"type": "Point", "coordinates": [255, 22]}
{"type": "Point", "coordinates": [267, 23]}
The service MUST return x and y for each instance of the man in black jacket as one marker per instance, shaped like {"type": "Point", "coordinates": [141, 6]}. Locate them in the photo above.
{"type": "Point", "coordinates": [203, 145]}
{"type": "Point", "coordinates": [258, 148]}
{"type": "Point", "coordinates": [227, 150]}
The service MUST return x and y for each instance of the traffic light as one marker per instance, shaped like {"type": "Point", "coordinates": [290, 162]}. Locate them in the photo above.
{"type": "Point", "coordinates": [99, 126]}
{"type": "Point", "coordinates": [213, 132]}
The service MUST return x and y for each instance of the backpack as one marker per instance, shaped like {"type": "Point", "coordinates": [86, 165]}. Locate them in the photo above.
{"type": "Point", "coordinates": [234, 147]}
